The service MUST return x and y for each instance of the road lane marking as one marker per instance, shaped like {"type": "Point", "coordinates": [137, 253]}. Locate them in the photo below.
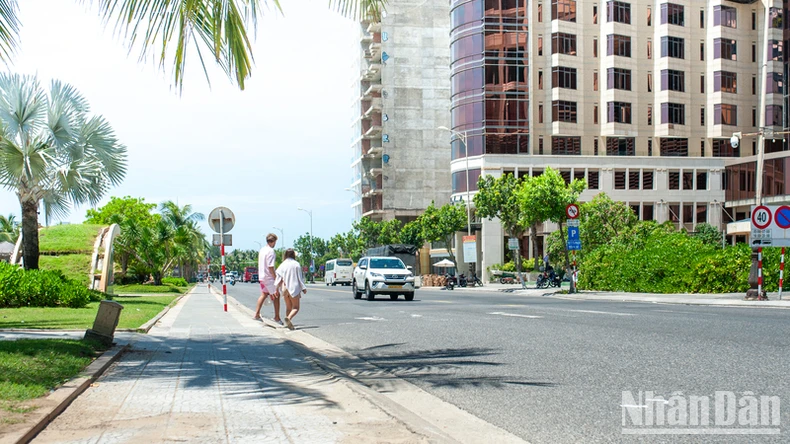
{"type": "Point", "coordinates": [371, 318]}
{"type": "Point", "coordinates": [603, 312]}
{"type": "Point", "coordinates": [416, 316]}
{"type": "Point", "coordinates": [515, 315]}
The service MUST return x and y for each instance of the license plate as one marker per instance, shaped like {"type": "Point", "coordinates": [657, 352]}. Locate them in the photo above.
{"type": "Point", "coordinates": [395, 286]}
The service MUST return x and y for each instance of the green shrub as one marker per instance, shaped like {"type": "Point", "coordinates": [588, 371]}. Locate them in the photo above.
{"type": "Point", "coordinates": [41, 288]}
{"type": "Point", "coordinates": [654, 258]}
{"type": "Point", "coordinates": [178, 282]}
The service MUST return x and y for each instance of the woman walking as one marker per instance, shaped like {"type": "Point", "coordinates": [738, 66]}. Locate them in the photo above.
{"type": "Point", "coordinates": [290, 282]}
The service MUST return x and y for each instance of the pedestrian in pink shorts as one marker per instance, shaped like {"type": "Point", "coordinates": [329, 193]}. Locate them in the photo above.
{"type": "Point", "coordinates": [266, 277]}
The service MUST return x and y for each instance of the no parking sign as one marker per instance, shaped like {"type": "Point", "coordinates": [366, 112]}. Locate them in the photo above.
{"type": "Point", "coordinates": [770, 226]}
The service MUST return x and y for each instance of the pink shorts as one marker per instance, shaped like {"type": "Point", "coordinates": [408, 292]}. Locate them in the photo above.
{"type": "Point", "coordinates": [267, 286]}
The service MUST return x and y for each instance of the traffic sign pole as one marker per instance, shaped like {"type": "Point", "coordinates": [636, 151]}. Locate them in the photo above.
{"type": "Point", "coordinates": [222, 253]}
{"type": "Point", "coordinates": [781, 272]}
{"type": "Point", "coordinates": [759, 272]}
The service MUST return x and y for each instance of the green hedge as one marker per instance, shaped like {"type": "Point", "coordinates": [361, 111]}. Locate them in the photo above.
{"type": "Point", "coordinates": [42, 288]}
{"type": "Point", "coordinates": [654, 259]}
{"type": "Point", "coordinates": [178, 282]}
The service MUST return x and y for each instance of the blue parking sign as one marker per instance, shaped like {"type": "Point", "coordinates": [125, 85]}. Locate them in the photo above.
{"type": "Point", "coordinates": [574, 241]}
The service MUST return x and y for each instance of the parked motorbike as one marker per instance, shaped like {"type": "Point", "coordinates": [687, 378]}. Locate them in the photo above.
{"type": "Point", "coordinates": [549, 278]}
{"type": "Point", "coordinates": [450, 282]}
{"type": "Point", "coordinates": [474, 281]}
{"type": "Point", "coordinates": [462, 280]}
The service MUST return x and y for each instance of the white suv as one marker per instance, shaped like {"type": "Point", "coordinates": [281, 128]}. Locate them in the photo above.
{"type": "Point", "coordinates": [382, 275]}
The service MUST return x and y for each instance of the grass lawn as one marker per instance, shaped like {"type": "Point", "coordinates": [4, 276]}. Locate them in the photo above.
{"type": "Point", "coordinates": [148, 289]}
{"type": "Point", "coordinates": [72, 238]}
{"type": "Point", "coordinates": [74, 266]}
{"type": "Point", "coordinates": [30, 368]}
{"type": "Point", "coordinates": [137, 310]}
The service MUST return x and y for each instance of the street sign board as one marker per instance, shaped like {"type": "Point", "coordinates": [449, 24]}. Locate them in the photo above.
{"type": "Point", "coordinates": [572, 211]}
{"type": "Point", "coordinates": [512, 244]}
{"type": "Point", "coordinates": [573, 222]}
{"type": "Point", "coordinates": [770, 226]}
{"type": "Point", "coordinates": [215, 240]}
{"type": "Point", "coordinates": [470, 249]}
{"type": "Point", "coordinates": [214, 218]}
{"type": "Point", "coordinates": [574, 241]}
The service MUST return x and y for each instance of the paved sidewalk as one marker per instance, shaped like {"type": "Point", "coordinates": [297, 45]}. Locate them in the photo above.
{"type": "Point", "coordinates": [202, 375]}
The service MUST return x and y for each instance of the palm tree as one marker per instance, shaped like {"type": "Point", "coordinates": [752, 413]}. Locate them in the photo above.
{"type": "Point", "coordinates": [189, 241]}
{"type": "Point", "coordinates": [9, 229]}
{"type": "Point", "coordinates": [215, 29]}
{"type": "Point", "coordinates": [52, 150]}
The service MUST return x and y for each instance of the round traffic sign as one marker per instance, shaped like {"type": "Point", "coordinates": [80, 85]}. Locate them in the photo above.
{"type": "Point", "coordinates": [572, 211]}
{"type": "Point", "coordinates": [761, 217]}
{"type": "Point", "coordinates": [228, 219]}
{"type": "Point", "coordinates": [782, 217]}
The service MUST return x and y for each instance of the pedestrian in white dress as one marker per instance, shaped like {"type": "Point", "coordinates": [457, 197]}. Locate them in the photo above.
{"type": "Point", "coordinates": [290, 282]}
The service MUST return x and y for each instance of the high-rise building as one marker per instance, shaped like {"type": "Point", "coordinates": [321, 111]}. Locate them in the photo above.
{"type": "Point", "coordinates": [639, 98]}
{"type": "Point", "coordinates": [402, 95]}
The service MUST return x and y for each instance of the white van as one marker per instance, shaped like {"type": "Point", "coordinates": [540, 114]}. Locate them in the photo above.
{"type": "Point", "coordinates": [339, 271]}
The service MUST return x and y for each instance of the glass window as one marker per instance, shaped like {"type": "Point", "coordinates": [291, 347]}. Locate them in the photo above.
{"type": "Point", "coordinates": [673, 80]}
{"type": "Point", "coordinates": [725, 49]}
{"type": "Point", "coordinates": [619, 112]}
{"type": "Point", "coordinates": [672, 14]}
{"type": "Point", "coordinates": [563, 77]}
{"type": "Point", "coordinates": [725, 81]}
{"type": "Point", "coordinates": [649, 16]}
{"type": "Point", "coordinates": [649, 118]}
{"type": "Point", "coordinates": [773, 83]}
{"type": "Point", "coordinates": [592, 179]}
{"type": "Point", "coordinates": [674, 147]}
{"type": "Point", "coordinates": [672, 47]}
{"type": "Point", "coordinates": [620, 146]}
{"type": "Point", "coordinates": [775, 50]}
{"type": "Point", "coordinates": [619, 12]}
{"type": "Point", "coordinates": [595, 14]}
{"type": "Point", "coordinates": [618, 45]}
{"type": "Point", "coordinates": [619, 180]}
{"type": "Point", "coordinates": [702, 116]}
{"type": "Point", "coordinates": [566, 146]}
{"type": "Point", "coordinates": [647, 179]}
{"type": "Point", "coordinates": [702, 180]}
{"type": "Point", "coordinates": [702, 18]}
{"type": "Point", "coordinates": [674, 180]}
{"type": "Point", "coordinates": [595, 118]}
{"type": "Point", "coordinates": [562, 43]}
{"type": "Point", "coordinates": [618, 78]}
{"type": "Point", "coordinates": [563, 10]}
{"type": "Point", "coordinates": [723, 148]}
{"type": "Point", "coordinates": [674, 113]}
{"type": "Point", "coordinates": [725, 16]}
{"type": "Point", "coordinates": [595, 48]}
{"type": "Point", "coordinates": [776, 17]}
{"type": "Point", "coordinates": [725, 114]}
{"type": "Point", "coordinates": [773, 115]}
{"type": "Point", "coordinates": [563, 111]}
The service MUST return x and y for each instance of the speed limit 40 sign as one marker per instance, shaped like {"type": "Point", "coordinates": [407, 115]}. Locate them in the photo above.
{"type": "Point", "coordinates": [761, 217]}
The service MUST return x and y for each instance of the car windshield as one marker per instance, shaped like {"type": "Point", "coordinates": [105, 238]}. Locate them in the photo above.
{"type": "Point", "coordinates": [344, 263]}
{"type": "Point", "coordinates": [387, 263]}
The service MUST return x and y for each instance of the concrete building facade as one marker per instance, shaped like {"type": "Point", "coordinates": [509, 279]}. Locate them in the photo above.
{"type": "Point", "coordinates": [639, 98]}
{"type": "Point", "coordinates": [402, 95]}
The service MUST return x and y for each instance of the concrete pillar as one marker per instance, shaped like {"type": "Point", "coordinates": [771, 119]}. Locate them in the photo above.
{"type": "Point", "coordinates": [492, 247]}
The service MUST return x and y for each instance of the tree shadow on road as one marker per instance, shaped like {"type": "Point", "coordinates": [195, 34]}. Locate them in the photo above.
{"type": "Point", "coordinates": [441, 367]}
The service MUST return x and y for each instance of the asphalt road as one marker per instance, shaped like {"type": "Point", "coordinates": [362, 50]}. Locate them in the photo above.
{"type": "Point", "coordinates": [552, 370]}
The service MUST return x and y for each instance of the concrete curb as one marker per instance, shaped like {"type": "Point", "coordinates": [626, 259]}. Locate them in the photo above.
{"type": "Point", "coordinates": [682, 301]}
{"type": "Point", "coordinates": [65, 394]}
{"type": "Point", "coordinates": [447, 423]}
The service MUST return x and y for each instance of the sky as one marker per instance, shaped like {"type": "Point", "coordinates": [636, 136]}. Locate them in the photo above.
{"type": "Point", "coordinates": [281, 144]}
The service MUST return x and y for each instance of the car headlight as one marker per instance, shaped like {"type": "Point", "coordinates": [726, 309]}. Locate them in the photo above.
{"type": "Point", "coordinates": [376, 275]}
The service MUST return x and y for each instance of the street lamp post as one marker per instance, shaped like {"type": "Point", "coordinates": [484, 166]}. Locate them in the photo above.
{"type": "Point", "coordinates": [464, 140]}
{"type": "Point", "coordinates": [282, 236]}
{"type": "Point", "coordinates": [312, 265]}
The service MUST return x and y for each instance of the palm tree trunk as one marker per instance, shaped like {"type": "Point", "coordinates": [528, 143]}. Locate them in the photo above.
{"type": "Point", "coordinates": [30, 234]}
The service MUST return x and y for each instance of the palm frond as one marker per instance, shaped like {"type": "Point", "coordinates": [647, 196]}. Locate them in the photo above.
{"type": "Point", "coordinates": [9, 29]}
{"type": "Point", "coordinates": [359, 9]}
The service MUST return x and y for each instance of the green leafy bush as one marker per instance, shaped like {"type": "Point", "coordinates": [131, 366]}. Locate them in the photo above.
{"type": "Point", "coordinates": [41, 288]}
{"type": "Point", "coordinates": [178, 282]}
{"type": "Point", "coordinates": [654, 258]}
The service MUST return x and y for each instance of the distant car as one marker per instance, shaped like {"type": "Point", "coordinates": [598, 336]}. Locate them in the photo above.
{"type": "Point", "coordinates": [382, 275]}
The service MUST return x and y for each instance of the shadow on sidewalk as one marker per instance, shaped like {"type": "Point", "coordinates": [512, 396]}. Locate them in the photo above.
{"type": "Point", "coordinates": [241, 367]}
